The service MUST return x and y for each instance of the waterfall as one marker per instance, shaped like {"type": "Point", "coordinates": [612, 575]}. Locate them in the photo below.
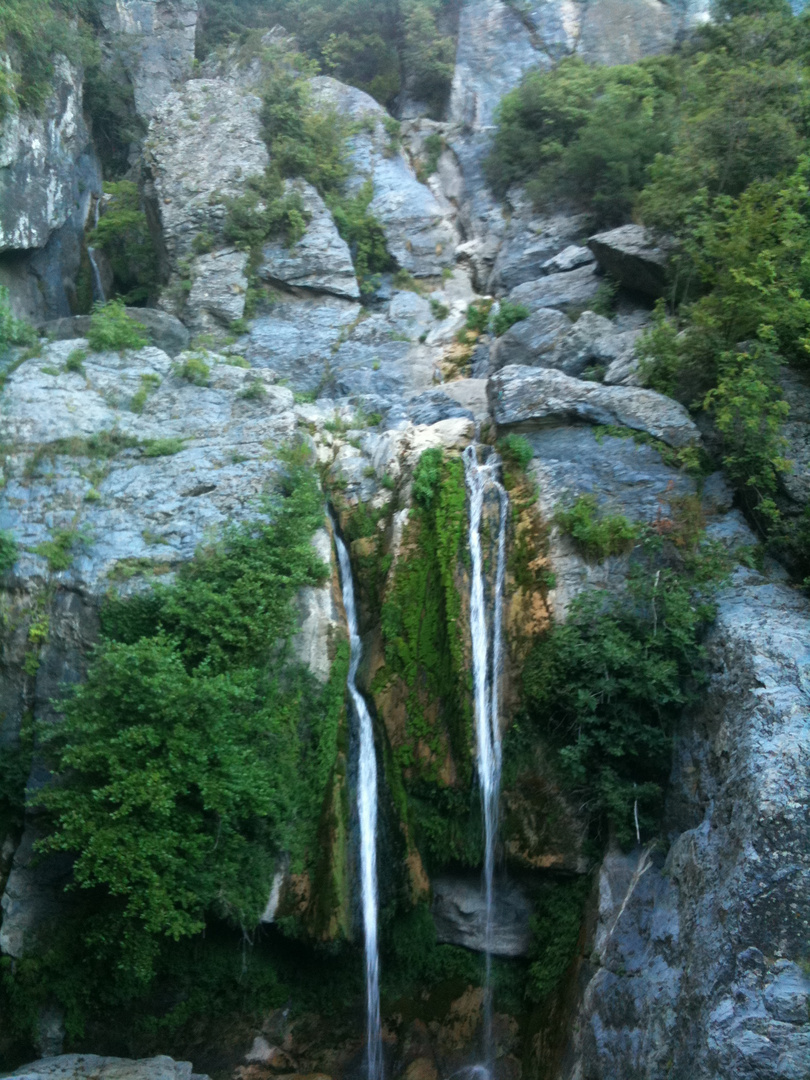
{"type": "Point", "coordinates": [98, 285]}
{"type": "Point", "coordinates": [487, 649]}
{"type": "Point", "coordinates": [367, 811]}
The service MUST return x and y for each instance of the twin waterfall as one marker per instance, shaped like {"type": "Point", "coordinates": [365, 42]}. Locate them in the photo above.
{"type": "Point", "coordinates": [486, 629]}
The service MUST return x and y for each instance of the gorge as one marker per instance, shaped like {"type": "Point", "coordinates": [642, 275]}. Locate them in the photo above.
{"type": "Point", "coordinates": [404, 540]}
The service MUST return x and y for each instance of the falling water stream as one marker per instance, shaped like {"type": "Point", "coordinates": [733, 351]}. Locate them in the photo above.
{"type": "Point", "coordinates": [367, 812]}
{"type": "Point", "coordinates": [98, 284]}
{"type": "Point", "coordinates": [487, 651]}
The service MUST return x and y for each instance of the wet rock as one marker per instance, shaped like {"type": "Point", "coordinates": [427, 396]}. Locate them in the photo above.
{"type": "Point", "coordinates": [320, 620]}
{"type": "Point", "coordinates": [218, 290]}
{"type": "Point", "coordinates": [320, 260]}
{"type": "Point", "coordinates": [533, 342]}
{"type": "Point", "coordinates": [459, 913]}
{"type": "Point", "coordinates": [575, 289]}
{"type": "Point", "coordinates": [520, 395]}
{"type": "Point", "coordinates": [160, 45]}
{"type": "Point", "coordinates": [94, 1067]}
{"type": "Point", "coordinates": [632, 256]}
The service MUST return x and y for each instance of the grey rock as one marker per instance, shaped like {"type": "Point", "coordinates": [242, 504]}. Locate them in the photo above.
{"type": "Point", "coordinates": [520, 395]}
{"type": "Point", "coordinates": [319, 617]}
{"type": "Point", "coordinates": [533, 342]}
{"type": "Point", "coordinates": [433, 406]}
{"type": "Point", "coordinates": [633, 257]}
{"type": "Point", "coordinates": [532, 242]}
{"type": "Point", "coordinates": [203, 143]}
{"type": "Point", "coordinates": [570, 258]}
{"type": "Point", "coordinates": [160, 45]}
{"type": "Point", "coordinates": [578, 349]}
{"type": "Point", "coordinates": [218, 290]}
{"type": "Point", "coordinates": [735, 885]}
{"type": "Point", "coordinates": [33, 895]}
{"type": "Point", "coordinates": [459, 914]}
{"type": "Point", "coordinates": [575, 289]}
{"type": "Point", "coordinates": [94, 1067]}
{"type": "Point", "coordinates": [166, 332]}
{"type": "Point", "coordinates": [624, 31]}
{"type": "Point", "coordinates": [417, 230]}
{"type": "Point", "coordinates": [320, 260]}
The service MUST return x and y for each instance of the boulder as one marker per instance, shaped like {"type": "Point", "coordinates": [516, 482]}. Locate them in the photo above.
{"type": "Point", "coordinates": [459, 914]}
{"type": "Point", "coordinates": [570, 258]}
{"type": "Point", "coordinates": [166, 332]}
{"type": "Point", "coordinates": [532, 242]}
{"type": "Point", "coordinates": [520, 395]}
{"type": "Point", "coordinates": [159, 51]}
{"type": "Point", "coordinates": [320, 260]}
{"type": "Point", "coordinates": [634, 257]}
{"type": "Point", "coordinates": [418, 230]}
{"type": "Point", "coordinates": [578, 349]}
{"type": "Point", "coordinates": [532, 342]}
{"type": "Point", "coordinates": [574, 289]}
{"type": "Point", "coordinates": [94, 1067]}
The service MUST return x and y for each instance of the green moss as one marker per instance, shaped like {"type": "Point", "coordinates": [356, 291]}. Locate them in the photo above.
{"type": "Point", "coordinates": [556, 926]}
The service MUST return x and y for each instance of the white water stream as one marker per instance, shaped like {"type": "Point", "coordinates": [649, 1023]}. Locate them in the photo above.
{"type": "Point", "coordinates": [367, 812]}
{"type": "Point", "coordinates": [487, 651]}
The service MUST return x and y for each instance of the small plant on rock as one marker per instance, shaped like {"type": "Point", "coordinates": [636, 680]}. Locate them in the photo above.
{"type": "Point", "coordinates": [597, 535]}
{"type": "Point", "coordinates": [8, 550]}
{"type": "Point", "coordinates": [194, 370]}
{"type": "Point", "coordinates": [507, 315]}
{"type": "Point", "coordinates": [75, 361]}
{"type": "Point", "coordinates": [111, 329]}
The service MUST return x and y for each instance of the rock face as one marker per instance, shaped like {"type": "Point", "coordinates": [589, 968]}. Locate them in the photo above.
{"type": "Point", "coordinates": [49, 176]}
{"type": "Point", "coordinates": [460, 916]}
{"type": "Point", "coordinates": [631, 255]}
{"type": "Point", "coordinates": [93, 1067]}
{"type": "Point", "coordinates": [519, 395]}
{"type": "Point", "coordinates": [320, 260]}
{"type": "Point", "coordinates": [166, 332]}
{"type": "Point", "coordinates": [160, 40]}
{"type": "Point", "coordinates": [575, 289]}
{"type": "Point", "coordinates": [699, 959]}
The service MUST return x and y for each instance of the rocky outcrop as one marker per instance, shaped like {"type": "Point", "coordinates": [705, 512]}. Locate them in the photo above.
{"type": "Point", "coordinates": [699, 960]}
{"type": "Point", "coordinates": [635, 258]}
{"type": "Point", "coordinates": [520, 395]}
{"type": "Point", "coordinates": [203, 143]}
{"type": "Point", "coordinates": [575, 289]}
{"type": "Point", "coordinates": [218, 289]}
{"type": "Point", "coordinates": [320, 260]}
{"type": "Point", "coordinates": [418, 231]}
{"type": "Point", "coordinates": [459, 913]}
{"type": "Point", "coordinates": [165, 332]}
{"type": "Point", "coordinates": [159, 52]}
{"type": "Point", "coordinates": [93, 1067]}
{"type": "Point", "coordinates": [49, 177]}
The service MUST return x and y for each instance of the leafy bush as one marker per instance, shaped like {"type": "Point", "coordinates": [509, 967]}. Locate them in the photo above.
{"type": "Point", "coordinates": [555, 928]}
{"type": "Point", "coordinates": [149, 383]}
{"type": "Point", "coordinates": [596, 534]}
{"type": "Point", "coordinates": [516, 450]}
{"type": "Point", "coordinates": [123, 235]}
{"type": "Point", "coordinates": [13, 331]}
{"type": "Point", "coordinates": [364, 235]}
{"type": "Point", "coordinates": [607, 688]}
{"type": "Point", "coordinates": [59, 549]}
{"type": "Point", "coordinates": [75, 361]}
{"type": "Point", "coordinates": [507, 315]}
{"type": "Point", "coordinates": [111, 328]}
{"type": "Point", "coordinates": [194, 369]}
{"type": "Point", "coordinates": [478, 316]}
{"type": "Point", "coordinates": [162, 447]}
{"type": "Point", "coordinates": [8, 550]}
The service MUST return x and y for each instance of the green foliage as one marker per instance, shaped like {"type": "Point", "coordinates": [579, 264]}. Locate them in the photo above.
{"type": "Point", "coordinates": [364, 235]}
{"type": "Point", "coordinates": [59, 549]}
{"type": "Point", "coordinates": [516, 451]}
{"type": "Point", "coordinates": [8, 550]}
{"type": "Point", "coordinates": [179, 760]}
{"type": "Point", "coordinates": [123, 235]}
{"type": "Point", "coordinates": [607, 687]}
{"type": "Point", "coordinates": [148, 384]}
{"type": "Point", "coordinates": [194, 369]}
{"type": "Point", "coordinates": [438, 310]}
{"type": "Point", "coordinates": [254, 391]}
{"type": "Point", "coordinates": [555, 927]}
{"type": "Point", "coordinates": [478, 316]}
{"type": "Point", "coordinates": [507, 315]}
{"type": "Point", "coordinates": [13, 331]}
{"type": "Point", "coordinates": [32, 33]}
{"type": "Point", "coordinates": [112, 329]}
{"type": "Point", "coordinates": [162, 447]}
{"type": "Point", "coordinates": [75, 361]}
{"type": "Point", "coordinates": [433, 147]}
{"type": "Point", "coordinates": [597, 535]}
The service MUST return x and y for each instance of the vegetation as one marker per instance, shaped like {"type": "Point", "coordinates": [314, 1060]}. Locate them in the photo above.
{"type": "Point", "coordinates": [13, 331]}
{"type": "Point", "coordinates": [507, 315]}
{"type": "Point", "coordinates": [112, 329]}
{"type": "Point", "coordinates": [8, 550]}
{"type": "Point", "coordinates": [123, 235]}
{"type": "Point", "coordinates": [381, 46]}
{"type": "Point", "coordinates": [597, 534]}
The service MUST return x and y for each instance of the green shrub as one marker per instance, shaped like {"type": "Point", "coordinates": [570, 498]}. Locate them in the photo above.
{"type": "Point", "coordinates": [507, 315]}
{"type": "Point", "coordinates": [8, 551]}
{"type": "Point", "coordinates": [194, 370]}
{"type": "Point", "coordinates": [162, 447]}
{"type": "Point", "coordinates": [112, 329]}
{"type": "Point", "coordinates": [255, 390]}
{"type": "Point", "coordinates": [433, 147]}
{"type": "Point", "coordinates": [59, 549]}
{"type": "Point", "coordinates": [596, 534]}
{"type": "Point", "coordinates": [438, 310]}
{"type": "Point", "coordinates": [364, 235]}
{"type": "Point", "coordinates": [75, 361]}
{"type": "Point", "coordinates": [555, 925]}
{"type": "Point", "coordinates": [13, 331]}
{"type": "Point", "coordinates": [148, 384]}
{"type": "Point", "coordinates": [516, 450]}
{"type": "Point", "coordinates": [123, 235]}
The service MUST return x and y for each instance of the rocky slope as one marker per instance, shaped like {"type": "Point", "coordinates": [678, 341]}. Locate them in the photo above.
{"type": "Point", "coordinates": [689, 962]}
